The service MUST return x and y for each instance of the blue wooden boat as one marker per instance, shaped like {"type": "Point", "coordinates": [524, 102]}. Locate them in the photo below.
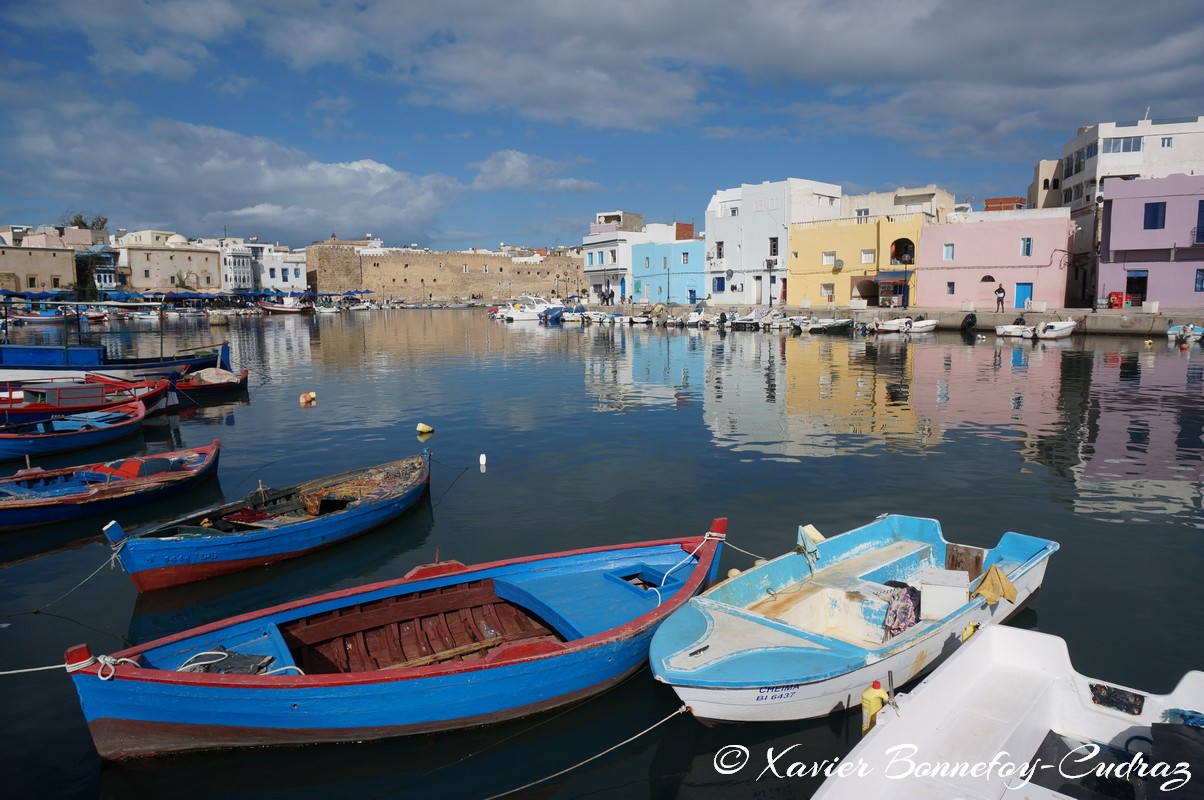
{"type": "Point", "coordinates": [70, 431]}
{"type": "Point", "coordinates": [270, 525]}
{"type": "Point", "coordinates": [803, 635]}
{"type": "Point", "coordinates": [23, 361]}
{"type": "Point", "coordinates": [447, 646]}
{"type": "Point", "coordinates": [39, 496]}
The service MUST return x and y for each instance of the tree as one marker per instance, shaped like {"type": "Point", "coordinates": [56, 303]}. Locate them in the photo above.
{"type": "Point", "coordinates": [81, 219]}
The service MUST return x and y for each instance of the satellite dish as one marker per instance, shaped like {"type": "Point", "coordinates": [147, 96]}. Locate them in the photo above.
{"type": "Point", "coordinates": [839, 263]}
{"type": "Point", "coordinates": [730, 273]}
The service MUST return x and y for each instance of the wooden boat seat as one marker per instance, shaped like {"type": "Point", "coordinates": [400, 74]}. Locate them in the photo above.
{"type": "Point", "coordinates": [449, 624]}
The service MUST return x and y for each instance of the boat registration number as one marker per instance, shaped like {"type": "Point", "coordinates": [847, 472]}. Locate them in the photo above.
{"type": "Point", "coordinates": [770, 693]}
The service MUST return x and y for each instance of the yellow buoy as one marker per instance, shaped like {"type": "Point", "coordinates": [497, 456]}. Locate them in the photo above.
{"type": "Point", "coordinates": [424, 428]}
{"type": "Point", "coordinates": [872, 700]}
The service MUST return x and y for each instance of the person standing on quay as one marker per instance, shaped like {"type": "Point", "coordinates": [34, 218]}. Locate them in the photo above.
{"type": "Point", "coordinates": [999, 295]}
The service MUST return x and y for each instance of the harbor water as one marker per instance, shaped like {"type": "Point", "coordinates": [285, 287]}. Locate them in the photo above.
{"type": "Point", "coordinates": [601, 434]}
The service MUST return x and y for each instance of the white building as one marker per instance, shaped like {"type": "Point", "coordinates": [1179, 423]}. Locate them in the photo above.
{"type": "Point", "coordinates": [237, 267]}
{"type": "Point", "coordinates": [280, 269]}
{"type": "Point", "coordinates": [606, 251]}
{"type": "Point", "coordinates": [748, 231]}
{"type": "Point", "coordinates": [1145, 148]}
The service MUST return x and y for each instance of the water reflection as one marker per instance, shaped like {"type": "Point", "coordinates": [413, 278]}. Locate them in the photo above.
{"type": "Point", "coordinates": [1120, 421]}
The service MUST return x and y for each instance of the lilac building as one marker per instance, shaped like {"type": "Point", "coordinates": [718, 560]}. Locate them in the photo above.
{"type": "Point", "coordinates": [1152, 243]}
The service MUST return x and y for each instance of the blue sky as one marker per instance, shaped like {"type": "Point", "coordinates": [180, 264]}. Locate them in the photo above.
{"type": "Point", "coordinates": [456, 124]}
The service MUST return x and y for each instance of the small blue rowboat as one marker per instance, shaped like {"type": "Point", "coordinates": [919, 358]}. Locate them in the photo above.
{"type": "Point", "coordinates": [70, 432]}
{"type": "Point", "coordinates": [803, 635]}
{"type": "Point", "coordinates": [270, 525]}
{"type": "Point", "coordinates": [447, 646]}
{"type": "Point", "coordinates": [40, 496]}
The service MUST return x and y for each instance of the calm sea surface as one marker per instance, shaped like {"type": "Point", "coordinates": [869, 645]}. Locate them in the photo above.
{"type": "Point", "coordinates": [615, 434]}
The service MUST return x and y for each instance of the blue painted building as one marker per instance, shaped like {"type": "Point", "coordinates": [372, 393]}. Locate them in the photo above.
{"type": "Point", "coordinates": [669, 272]}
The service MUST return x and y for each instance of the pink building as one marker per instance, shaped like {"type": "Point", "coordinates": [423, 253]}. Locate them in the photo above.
{"type": "Point", "coordinates": [1152, 244]}
{"type": "Point", "coordinates": [962, 261]}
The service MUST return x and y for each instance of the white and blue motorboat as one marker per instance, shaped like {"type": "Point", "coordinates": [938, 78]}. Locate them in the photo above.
{"type": "Point", "coordinates": [803, 635]}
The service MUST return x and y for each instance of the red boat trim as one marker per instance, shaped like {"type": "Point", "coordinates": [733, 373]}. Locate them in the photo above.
{"type": "Point", "coordinates": [704, 547]}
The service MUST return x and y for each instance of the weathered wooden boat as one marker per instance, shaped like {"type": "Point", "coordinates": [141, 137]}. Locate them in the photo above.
{"type": "Point", "coordinates": [30, 401]}
{"type": "Point", "coordinates": [801, 636]}
{"type": "Point", "coordinates": [70, 431]}
{"type": "Point", "coordinates": [209, 384]}
{"type": "Point", "coordinates": [1012, 698]}
{"type": "Point", "coordinates": [447, 646]}
{"type": "Point", "coordinates": [270, 525]}
{"type": "Point", "coordinates": [38, 496]}
{"type": "Point", "coordinates": [281, 308]}
{"type": "Point", "coordinates": [30, 361]}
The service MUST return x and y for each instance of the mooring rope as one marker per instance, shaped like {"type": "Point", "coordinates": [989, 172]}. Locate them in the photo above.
{"type": "Point", "coordinates": [111, 561]}
{"type": "Point", "coordinates": [463, 471]}
{"type": "Point", "coordinates": [611, 749]}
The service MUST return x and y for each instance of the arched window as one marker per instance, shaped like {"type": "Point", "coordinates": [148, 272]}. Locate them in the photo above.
{"type": "Point", "coordinates": [987, 279]}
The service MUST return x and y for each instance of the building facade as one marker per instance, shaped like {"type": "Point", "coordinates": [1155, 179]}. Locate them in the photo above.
{"type": "Point", "coordinates": [1106, 151]}
{"type": "Point", "coordinates": [747, 236]}
{"type": "Point", "coordinates": [606, 251]}
{"type": "Point", "coordinates": [867, 255]}
{"type": "Point", "coordinates": [1152, 245]}
{"type": "Point", "coordinates": [962, 261]}
{"type": "Point", "coordinates": [669, 272]}
{"type": "Point", "coordinates": [157, 262]}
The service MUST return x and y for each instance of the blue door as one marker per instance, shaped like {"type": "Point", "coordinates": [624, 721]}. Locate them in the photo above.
{"type": "Point", "coordinates": [1024, 293]}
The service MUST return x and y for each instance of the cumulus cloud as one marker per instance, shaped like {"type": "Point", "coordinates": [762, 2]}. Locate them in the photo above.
{"type": "Point", "coordinates": [643, 67]}
{"type": "Point", "coordinates": [510, 169]}
{"type": "Point", "coordinates": [199, 179]}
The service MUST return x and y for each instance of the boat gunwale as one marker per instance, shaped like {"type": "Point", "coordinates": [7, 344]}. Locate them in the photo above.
{"type": "Point", "coordinates": [707, 549]}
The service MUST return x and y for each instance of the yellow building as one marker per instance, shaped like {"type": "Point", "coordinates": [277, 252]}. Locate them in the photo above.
{"type": "Point", "coordinates": [867, 254]}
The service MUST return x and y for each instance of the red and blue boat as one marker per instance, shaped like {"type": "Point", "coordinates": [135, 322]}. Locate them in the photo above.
{"type": "Point", "coordinates": [30, 401]}
{"type": "Point", "coordinates": [270, 525]}
{"type": "Point", "coordinates": [70, 431]}
{"type": "Point", "coordinates": [39, 496]}
{"type": "Point", "coordinates": [447, 646]}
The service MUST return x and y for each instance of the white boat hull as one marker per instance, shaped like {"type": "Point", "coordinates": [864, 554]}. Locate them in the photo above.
{"type": "Point", "coordinates": [1022, 331]}
{"type": "Point", "coordinates": [1055, 330]}
{"type": "Point", "coordinates": [821, 698]}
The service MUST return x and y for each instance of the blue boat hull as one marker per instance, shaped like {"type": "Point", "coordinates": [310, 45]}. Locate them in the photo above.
{"type": "Point", "coordinates": [83, 505]}
{"type": "Point", "coordinates": [181, 551]}
{"type": "Point", "coordinates": [18, 447]}
{"type": "Point", "coordinates": [95, 358]}
{"type": "Point", "coordinates": [598, 628]}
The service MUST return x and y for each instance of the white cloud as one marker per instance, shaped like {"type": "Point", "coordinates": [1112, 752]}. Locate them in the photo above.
{"type": "Point", "coordinates": [645, 66]}
{"type": "Point", "coordinates": [198, 179]}
{"type": "Point", "coordinates": [510, 169]}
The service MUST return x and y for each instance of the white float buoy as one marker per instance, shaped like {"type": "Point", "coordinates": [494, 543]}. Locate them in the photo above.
{"type": "Point", "coordinates": [482, 459]}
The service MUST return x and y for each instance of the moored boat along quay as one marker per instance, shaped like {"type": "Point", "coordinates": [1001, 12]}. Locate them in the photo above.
{"type": "Point", "coordinates": [582, 442]}
{"type": "Point", "coordinates": [1106, 322]}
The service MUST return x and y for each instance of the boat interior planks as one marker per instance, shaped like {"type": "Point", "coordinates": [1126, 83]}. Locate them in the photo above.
{"type": "Point", "coordinates": [446, 624]}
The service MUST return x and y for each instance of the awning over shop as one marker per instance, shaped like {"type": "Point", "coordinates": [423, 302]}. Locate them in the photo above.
{"type": "Point", "coordinates": [894, 276]}
{"type": "Point", "coordinates": [1137, 273]}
